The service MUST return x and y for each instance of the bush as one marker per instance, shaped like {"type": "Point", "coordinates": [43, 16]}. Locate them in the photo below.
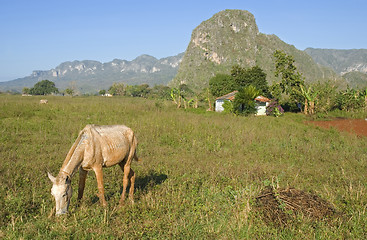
{"type": "Point", "coordinates": [274, 109]}
{"type": "Point", "coordinates": [228, 107]}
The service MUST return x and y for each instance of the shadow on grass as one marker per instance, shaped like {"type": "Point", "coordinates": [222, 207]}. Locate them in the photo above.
{"type": "Point", "coordinates": [142, 185]}
{"type": "Point", "coordinates": [152, 179]}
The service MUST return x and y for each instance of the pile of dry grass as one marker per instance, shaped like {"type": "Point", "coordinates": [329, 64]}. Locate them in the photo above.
{"type": "Point", "coordinates": [281, 206]}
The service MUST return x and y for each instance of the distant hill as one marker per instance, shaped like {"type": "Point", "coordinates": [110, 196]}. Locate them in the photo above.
{"type": "Point", "coordinates": [91, 76]}
{"type": "Point", "coordinates": [356, 80]}
{"type": "Point", "coordinates": [341, 61]}
{"type": "Point", "coordinates": [351, 63]}
{"type": "Point", "coordinates": [232, 37]}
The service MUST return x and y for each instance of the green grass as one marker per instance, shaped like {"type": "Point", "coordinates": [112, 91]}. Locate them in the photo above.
{"type": "Point", "coordinates": [360, 114]}
{"type": "Point", "coordinates": [198, 179]}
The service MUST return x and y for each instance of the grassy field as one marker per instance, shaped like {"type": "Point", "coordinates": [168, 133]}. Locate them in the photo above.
{"type": "Point", "coordinates": [199, 177]}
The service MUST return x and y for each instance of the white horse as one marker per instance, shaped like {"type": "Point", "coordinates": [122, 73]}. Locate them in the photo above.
{"type": "Point", "coordinates": [96, 147]}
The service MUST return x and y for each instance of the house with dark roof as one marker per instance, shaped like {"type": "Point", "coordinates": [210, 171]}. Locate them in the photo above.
{"type": "Point", "coordinates": [219, 101]}
{"type": "Point", "coordinates": [261, 102]}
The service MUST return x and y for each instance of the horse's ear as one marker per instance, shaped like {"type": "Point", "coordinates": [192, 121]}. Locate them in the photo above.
{"type": "Point", "coordinates": [67, 180]}
{"type": "Point", "coordinates": [52, 178]}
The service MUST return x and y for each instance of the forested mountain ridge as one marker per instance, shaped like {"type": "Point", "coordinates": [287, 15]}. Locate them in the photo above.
{"type": "Point", "coordinates": [349, 63]}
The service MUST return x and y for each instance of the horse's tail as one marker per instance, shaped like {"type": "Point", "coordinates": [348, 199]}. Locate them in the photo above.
{"type": "Point", "coordinates": [132, 153]}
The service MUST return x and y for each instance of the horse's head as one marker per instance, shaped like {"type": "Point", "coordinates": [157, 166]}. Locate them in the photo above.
{"type": "Point", "coordinates": [61, 190]}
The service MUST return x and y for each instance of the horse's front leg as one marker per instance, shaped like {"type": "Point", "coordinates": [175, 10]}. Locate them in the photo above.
{"type": "Point", "coordinates": [99, 176]}
{"type": "Point", "coordinates": [82, 177]}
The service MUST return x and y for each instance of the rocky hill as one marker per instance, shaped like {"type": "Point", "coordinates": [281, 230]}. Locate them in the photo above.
{"type": "Point", "coordinates": [232, 37]}
{"type": "Point", "coordinates": [90, 76]}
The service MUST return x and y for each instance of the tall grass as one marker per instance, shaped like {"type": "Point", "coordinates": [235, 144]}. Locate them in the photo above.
{"type": "Point", "coordinates": [198, 179]}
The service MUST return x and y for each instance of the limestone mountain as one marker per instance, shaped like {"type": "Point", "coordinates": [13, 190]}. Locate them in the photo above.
{"type": "Point", "coordinates": [232, 37]}
{"type": "Point", "coordinates": [91, 76]}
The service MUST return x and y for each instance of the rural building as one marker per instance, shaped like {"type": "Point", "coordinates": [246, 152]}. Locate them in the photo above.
{"type": "Point", "coordinates": [261, 104]}
{"type": "Point", "coordinates": [219, 101]}
{"type": "Point", "coordinates": [260, 101]}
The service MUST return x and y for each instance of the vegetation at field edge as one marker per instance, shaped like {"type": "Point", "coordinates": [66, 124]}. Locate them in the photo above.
{"type": "Point", "coordinates": [200, 174]}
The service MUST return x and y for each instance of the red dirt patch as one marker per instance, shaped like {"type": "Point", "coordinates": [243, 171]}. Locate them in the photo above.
{"type": "Point", "coordinates": [356, 126]}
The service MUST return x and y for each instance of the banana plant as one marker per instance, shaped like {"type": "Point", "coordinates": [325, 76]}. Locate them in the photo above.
{"type": "Point", "coordinates": [364, 94]}
{"type": "Point", "coordinates": [208, 97]}
{"type": "Point", "coordinates": [310, 98]}
{"type": "Point", "coordinates": [176, 96]}
{"type": "Point", "coordinates": [190, 102]}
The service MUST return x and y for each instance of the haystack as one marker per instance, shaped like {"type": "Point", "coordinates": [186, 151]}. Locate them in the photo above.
{"type": "Point", "coordinates": [281, 206]}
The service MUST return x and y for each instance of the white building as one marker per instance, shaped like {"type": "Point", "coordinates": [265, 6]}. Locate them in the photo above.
{"type": "Point", "coordinates": [221, 100]}
{"type": "Point", "coordinates": [260, 102]}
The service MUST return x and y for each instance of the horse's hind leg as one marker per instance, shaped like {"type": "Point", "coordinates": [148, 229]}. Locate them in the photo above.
{"type": "Point", "coordinates": [132, 185]}
{"type": "Point", "coordinates": [129, 177]}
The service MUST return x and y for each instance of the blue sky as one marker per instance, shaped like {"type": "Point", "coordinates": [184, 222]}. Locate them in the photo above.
{"type": "Point", "coordinates": [41, 34]}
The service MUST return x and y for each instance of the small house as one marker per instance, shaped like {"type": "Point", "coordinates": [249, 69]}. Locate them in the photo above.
{"type": "Point", "coordinates": [219, 101]}
{"type": "Point", "coordinates": [261, 103]}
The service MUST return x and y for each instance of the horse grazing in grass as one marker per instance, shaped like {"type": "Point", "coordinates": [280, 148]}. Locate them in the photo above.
{"type": "Point", "coordinates": [96, 147]}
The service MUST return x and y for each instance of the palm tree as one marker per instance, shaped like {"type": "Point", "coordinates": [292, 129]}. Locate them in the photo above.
{"type": "Point", "coordinates": [244, 100]}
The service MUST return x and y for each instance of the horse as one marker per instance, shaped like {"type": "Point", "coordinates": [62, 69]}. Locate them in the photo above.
{"type": "Point", "coordinates": [95, 148]}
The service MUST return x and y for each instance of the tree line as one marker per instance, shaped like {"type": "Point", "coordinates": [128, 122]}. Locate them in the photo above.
{"type": "Point", "coordinates": [290, 93]}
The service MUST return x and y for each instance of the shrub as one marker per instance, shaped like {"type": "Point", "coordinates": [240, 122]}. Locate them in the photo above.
{"type": "Point", "coordinates": [228, 107]}
{"type": "Point", "coordinates": [274, 109]}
